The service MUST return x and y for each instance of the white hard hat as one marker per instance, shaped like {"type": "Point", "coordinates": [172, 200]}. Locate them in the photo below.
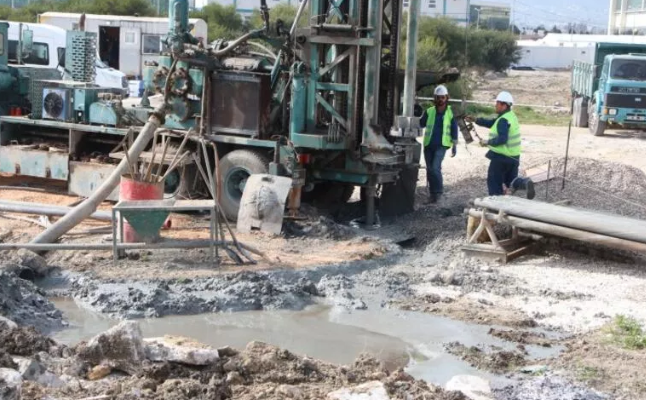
{"type": "Point", "coordinates": [505, 97]}
{"type": "Point", "coordinates": [441, 90]}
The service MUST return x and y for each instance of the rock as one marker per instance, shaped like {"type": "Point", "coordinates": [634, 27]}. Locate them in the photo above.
{"type": "Point", "coordinates": [374, 390]}
{"type": "Point", "coordinates": [10, 384]}
{"type": "Point", "coordinates": [99, 372]}
{"type": "Point", "coordinates": [120, 347]}
{"type": "Point", "coordinates": [289, 392]}
{"type": "Point", "coordinates": [227, 352]}
{"type": "Point", "coordinates": [33, 261]}
{"type": "Point", "coordinates": [32, 370]}
{"type": "Point", "coordinates": [4, 233]}
{"type": "Point", "coordinates": [473, 387]}
{"type": "Point", "coordinates": [534, 369]}
{"type": "Point", "coordinates": [234, 378]}
{"type": "Point", "coordinates": [6, 323]}
{"type": "Point", "coordinates": [181, 350]}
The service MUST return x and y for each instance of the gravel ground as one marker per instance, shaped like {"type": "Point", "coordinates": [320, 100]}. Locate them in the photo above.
{"type": "Point", "coordinates": [565, 287]}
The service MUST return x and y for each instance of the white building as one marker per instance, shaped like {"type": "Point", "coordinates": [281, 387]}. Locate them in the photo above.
{"type": "Point", "coordinates": [627, 16]}
{"type": "Point", "coordinates": [559, 51]}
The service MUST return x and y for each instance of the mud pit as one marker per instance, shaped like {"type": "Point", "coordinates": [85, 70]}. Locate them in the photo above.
{"type": "Point", "coordinates": [364, 283]}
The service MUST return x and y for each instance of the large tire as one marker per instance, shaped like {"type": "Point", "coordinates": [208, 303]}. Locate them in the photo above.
{"type": "Point", "coordinates": [235, 168]}
{"type": "Point", "coordinates": [596, 126]}
{"type": "Point", "coordinates": [580, 112]}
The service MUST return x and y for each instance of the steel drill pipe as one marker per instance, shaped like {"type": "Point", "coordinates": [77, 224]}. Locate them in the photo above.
{"type": "Point", "coordinates": [22, 207]}
{"type": "Point", "coordinates": [89, 206]}
{"type": "Point", "coordinates": [569, 233]}
{"type": "Point", "coordinates": [584, 220]}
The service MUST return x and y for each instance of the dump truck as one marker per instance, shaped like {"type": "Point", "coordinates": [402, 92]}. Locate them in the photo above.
{"type": "Point", "coordinates": [611, 91]}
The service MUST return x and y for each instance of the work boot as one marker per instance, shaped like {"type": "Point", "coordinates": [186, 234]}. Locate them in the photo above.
{"type": "Point", "coordinates": [531, 191]}
{"type": "Point", "coordinates": [432, 198]}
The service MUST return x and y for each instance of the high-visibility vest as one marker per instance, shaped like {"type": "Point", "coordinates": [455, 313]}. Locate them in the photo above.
{"type": "Point", "coordinates": [512, 147]}
{"type": "Point", "coordinates": [431, 113]}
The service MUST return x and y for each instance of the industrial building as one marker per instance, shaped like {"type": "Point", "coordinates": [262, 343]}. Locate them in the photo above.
{"type": "Point", "coordinates": [627, 17]}
{"type": "Point", "coordinates": [487, 14]}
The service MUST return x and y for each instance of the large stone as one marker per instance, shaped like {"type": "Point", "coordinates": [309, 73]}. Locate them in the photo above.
{"type": "Point", "coordinates": [32, 370]}
{"type": "Point", "coordinates": [32, 260]}
{"type": "Point", "coordinates": [121, 347]}
{"type": "Point", "coordinates": [6, 323]}
{"type": "Point", "coordinates": [99, 372]}
{"type": "Point", "coordinates": [10, 384]}
{"type": "Point", "coordinates": [374, 390]}
{"type": "Point", "coordinates": [181, 350]}
{"type": "Point", "coordinates": [473, 387]}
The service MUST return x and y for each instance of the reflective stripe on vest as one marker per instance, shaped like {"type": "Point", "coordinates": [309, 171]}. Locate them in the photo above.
{"type": "Point", "coordinates": [430, 123]}
{"type": "Point", "coordinates": [512, 147]}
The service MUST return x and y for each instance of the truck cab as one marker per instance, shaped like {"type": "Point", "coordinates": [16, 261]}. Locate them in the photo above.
{"type": "Point", "coordinates": [611, 91]}
{"type": "Point", "coordinates": [621, 97]}
{"type": "Point", "coordinates": [48, 51]}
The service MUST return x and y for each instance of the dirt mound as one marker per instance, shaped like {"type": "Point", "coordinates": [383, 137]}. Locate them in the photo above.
{"type": "Point", "coordinates": [24, 341]}
{"type": "Point", "coordinates": [261, 371]}
{"type": "Point", "coordinates": [463, 309]}
{"type": "Point", "coordinates": [496, 361]}
{"type": "Point", "coordinates": [242, 291]}
{"type": "Point", "coordinates": [597, 185]}
{"type": "Point", "coordinates": [25, 304]}
{"type": "Point", "coordinates": [522, 337]}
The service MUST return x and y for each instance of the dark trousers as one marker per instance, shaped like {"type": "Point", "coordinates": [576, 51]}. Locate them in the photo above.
{"type": "Point", "coordinates": [434, 157]}
{"type": "Point", "coordinates": [502, 172]}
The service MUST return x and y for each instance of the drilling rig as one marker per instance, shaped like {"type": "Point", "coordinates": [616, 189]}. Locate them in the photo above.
{"type": "Point", "coordinates": [317, 101]}
{"type": "Point", "coordinates": [318, 104]}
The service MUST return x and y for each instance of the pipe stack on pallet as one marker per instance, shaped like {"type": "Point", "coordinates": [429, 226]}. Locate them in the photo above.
{"type": "Point", "coordinates": [584, 225]}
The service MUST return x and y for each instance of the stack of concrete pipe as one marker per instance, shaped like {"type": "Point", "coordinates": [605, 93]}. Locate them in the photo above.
{"type": "Point", "coordinates": [584, 225]}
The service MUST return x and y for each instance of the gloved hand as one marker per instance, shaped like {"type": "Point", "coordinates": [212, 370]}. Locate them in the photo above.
{"type": "Point", "coordinates": [469, 118]}
{"type": "Point", "coordinates": [454, 150]}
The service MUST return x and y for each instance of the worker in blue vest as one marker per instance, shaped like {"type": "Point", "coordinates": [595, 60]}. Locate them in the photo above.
{"type": "Point", "coordinates": [504, 145]}
{"type": "Point", "coordinates": [441, 134]}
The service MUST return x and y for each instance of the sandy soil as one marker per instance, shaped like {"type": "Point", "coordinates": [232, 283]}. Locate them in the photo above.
{"type": "Point", "coordinates": [542, 88]}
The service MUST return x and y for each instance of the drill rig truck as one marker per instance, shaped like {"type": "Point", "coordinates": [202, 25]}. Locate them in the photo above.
{"type": "Point", "coordinates": [319, 104]}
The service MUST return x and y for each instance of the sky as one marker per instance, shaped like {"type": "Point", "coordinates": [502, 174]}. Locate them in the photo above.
{"type": "Point", "coordinates": [532, 13]}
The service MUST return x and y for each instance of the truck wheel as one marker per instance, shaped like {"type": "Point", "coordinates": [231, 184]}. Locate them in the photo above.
{"type": "Point", "coordinates": [580, 112]}
{"type": "Point", "coordinates": [596, 126]}
{"type": "Point", "coordinates": [235, 169]}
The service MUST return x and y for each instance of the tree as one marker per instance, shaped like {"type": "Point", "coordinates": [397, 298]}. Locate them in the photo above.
{"type": "Point", "coordinates": [30, 12]}
{"type": "Point", "coordinates": [283, 12]}
{"type": "Point", "coordinates": [555, 30]}
{"type": "Point", "coordinates": [223, 21]}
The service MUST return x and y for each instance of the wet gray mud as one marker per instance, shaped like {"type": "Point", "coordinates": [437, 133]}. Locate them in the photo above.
{"type": "Point", "coordinates": [243, 291]}
{"type": "Point", "coordinates": [331, 334]}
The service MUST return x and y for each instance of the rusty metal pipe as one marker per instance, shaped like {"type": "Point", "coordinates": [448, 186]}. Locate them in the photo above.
{"type": "Point", "coordinates": [21, 207]}
{"type": "Point", "coordinates": [89, 205]}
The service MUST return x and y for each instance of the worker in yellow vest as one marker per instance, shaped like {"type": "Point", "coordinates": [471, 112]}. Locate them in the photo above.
{"type": "Point", "coordinates": [441, 134]}
{"type": "Point", "coordinates": [504, 150]}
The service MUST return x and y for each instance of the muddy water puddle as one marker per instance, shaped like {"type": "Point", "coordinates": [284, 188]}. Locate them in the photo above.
{"type": "Point", "coordinates": [331, 334]}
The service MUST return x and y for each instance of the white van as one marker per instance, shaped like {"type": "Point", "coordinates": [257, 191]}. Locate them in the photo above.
{"type": "Point", "coordinates": [48, 51]}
